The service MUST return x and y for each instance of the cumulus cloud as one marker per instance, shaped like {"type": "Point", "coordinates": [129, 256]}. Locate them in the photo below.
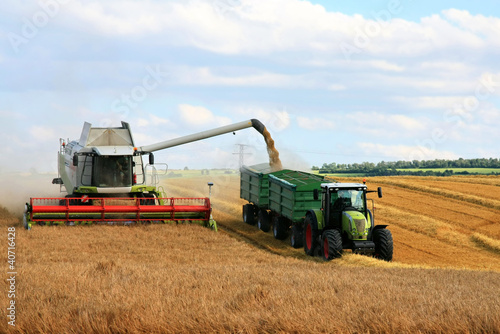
{"type": "Point", "coordinates": [274, 120]}
{"type": "Point", "coordinates": [404, 152]}
{"type": "Point", "coordinates": [430, 102]}
{"type": "Point", "coordinates": [315, 123]}
{"type": "Point", "coordinates": [387, 124]}
{"type": "Point", "coordinates": [251, 27]}
{"type": "Point", "coordinates": [488, 27]}
{"type": "Point", "coordinates": [251, 59]}
{"type": "Point", "coordinates": [198, 116]}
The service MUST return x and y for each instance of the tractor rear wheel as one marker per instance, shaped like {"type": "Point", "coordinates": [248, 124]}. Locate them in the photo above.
{"type": "Point", "coordinates": [280, 227]}
{"type": "Point", "coordinates": [249, 214]}
{"type": "Point", "coordinates": [331, 245]}
{"type": "Point", "coordinates": [263, 223]}
{"type": "Point", "coordinates": [297, 237]}
{"type": "Point", "coordinates": [310, 236]}
{"type": "Point", "coordinates": [383, 244]}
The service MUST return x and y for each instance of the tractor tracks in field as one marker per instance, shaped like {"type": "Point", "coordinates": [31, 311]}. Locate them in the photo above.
{"type": "Point", "coordinates": [235, 233]}
{"type": "Point", "coordinates": [490, 204]}
{"type": "Point", "coordinates": [227, 220]}
{"type": "Point", "coordinates": [442, 207]}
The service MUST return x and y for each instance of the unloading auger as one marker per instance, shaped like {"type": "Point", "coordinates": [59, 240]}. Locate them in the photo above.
{"type": "Point", "coordinates": [107, 182]}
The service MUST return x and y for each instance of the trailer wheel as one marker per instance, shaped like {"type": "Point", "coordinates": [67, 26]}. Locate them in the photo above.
{"type": "Point", "coordinates": [383, 244]}
{"type": "Point", "coordinates": [331, 245]}
{"type": "Point", "coordinates": [296, 237]}
{"type": "Point", "coordinates": [249, 214]}
{"type": "Point", "coordinates": [280, 227]}
{"type": "Point", "coordinates": [263, 223]}
{"type": "Point", "coordinates": [310, 236]}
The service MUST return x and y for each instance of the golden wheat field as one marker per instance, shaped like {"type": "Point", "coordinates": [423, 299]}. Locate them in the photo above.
{"type": "Point", "coordinates": [445, 276]}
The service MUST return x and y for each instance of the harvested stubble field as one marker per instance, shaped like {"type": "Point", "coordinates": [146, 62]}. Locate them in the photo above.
{"type": "Point", "coordinates": [445, 276]}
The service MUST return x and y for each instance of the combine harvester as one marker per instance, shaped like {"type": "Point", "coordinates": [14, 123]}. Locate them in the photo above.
{"type": "Point", "coordinates": [106, 182]}
{"type": "Point", "coordinates": [323, 217]}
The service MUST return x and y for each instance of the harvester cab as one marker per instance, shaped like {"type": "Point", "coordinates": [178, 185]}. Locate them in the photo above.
{"type": "Point", "coordinates": [345, 222]}
{"type": "Point", "coordinates": [106, 181]}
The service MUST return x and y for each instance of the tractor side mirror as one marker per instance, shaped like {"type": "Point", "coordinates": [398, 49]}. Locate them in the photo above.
{"type": "Point", "coordinates": [75, 160]}
{"type": "Point", "coordinates": [379, 190]}
{"type": "Point", "coordinates": [315, 194]}
{"type": "Point", "coordinates": [151, 159]}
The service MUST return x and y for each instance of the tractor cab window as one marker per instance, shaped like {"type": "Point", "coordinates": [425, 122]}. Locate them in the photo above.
{"type": "Point", "coordinates": [345, 198]}
{"type": "Point", "coordinates": [113, 171]}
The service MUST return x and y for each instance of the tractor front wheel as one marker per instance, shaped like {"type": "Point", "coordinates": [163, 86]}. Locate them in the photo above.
{"type": "Point", "coordinates": [383, 244]}
{"type": "Point", "coordinates": [331, 245]}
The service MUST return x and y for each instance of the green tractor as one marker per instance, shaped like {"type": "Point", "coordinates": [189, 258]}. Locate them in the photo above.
{"type": "Point", "coordinates": [345, 222]}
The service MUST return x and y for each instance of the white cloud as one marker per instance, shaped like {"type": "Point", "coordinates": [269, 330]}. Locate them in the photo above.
{"type": "Point", "coordinates": [397, 124]}
{"type": "Point", "coordinates": [385, 65]}
{"type": "Point", "coordinates": [111, 18]}
{"type": "Point", "coordinates": [158, 120]}
{"type": "Point", "coordinates": [315, 123]}
{"type": "Point", "coordinates": [489, 27]}
{"type": "Point", "coordinates": [431, 102]}
{"type": "Point", "coordinates": [272, 53]}
{"type": "Point", "coordinates": [7, 114]}
{"type": "Point", "coordinates": [198, 116]}
{"type": "Point", "coordinates": [251, 77]}
{"type": "Point", "coordinates": [336, 87]}
{"type": "Point", "coordinates": [448, 66]}
{"type": "Point", "coordinates": [404, 152]}
{"type": "Point", "coordinates": [273, 120]}
{"type": "Point", "coordinates": [257, 27]}
{"type": "Point", "coordinates": [42, 133]}
{"type": "Point", "coordinates": [206, 76]}
{"type": "Point", "coordinates": [141, 122]}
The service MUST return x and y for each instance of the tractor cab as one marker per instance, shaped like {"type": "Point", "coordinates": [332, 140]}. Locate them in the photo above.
{"type": "Point", "coordinates": [345, 209]}
{"type": "Point", "coordinates": [338, 199]}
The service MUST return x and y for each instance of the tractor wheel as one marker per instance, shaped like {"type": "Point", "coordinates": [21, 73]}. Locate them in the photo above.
{"type": "Point", "coordinates": [310, 236]}
{"type": "Point", "coordinates": [264, 224]}
{"type": "Point", "coordinates": [331, 245]}
{"type": "Point", "coordinates": [280, 228]}
{"type": "Point", "coordinates": [249, 214]}
{"type": "Point", "coordinates": [297, 236]}
{"type": "Point", "coordinates": [383, 244]}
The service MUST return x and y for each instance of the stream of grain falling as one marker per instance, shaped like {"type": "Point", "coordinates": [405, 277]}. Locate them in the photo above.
{"type": "Point", "coordinates": [274, 155]}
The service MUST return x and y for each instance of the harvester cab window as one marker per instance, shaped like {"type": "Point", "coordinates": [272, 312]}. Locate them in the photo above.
{"type": "Point", "coordinates": [113, 171]}
{"type": "Point", "coordinates": [138, 169]}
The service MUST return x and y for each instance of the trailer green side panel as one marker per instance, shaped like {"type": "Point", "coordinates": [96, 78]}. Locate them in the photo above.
{"type": "Point", "coordinates": [254, 183]}
{"type": "Point", "coordinates": [291, 194]}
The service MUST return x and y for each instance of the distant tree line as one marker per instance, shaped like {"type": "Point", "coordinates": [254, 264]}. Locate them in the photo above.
{"type": "Point", "coordinates": [425, 167]}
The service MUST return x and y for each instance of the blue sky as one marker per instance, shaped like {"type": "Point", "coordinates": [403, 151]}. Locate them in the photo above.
{"type": "Point", "coordinates": [332, 81]}
{"type": "Point", "coordinates": [412, 10]}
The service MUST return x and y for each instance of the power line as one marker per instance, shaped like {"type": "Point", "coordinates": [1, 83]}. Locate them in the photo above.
{"type": "Point", "coordinates": [242, 153]}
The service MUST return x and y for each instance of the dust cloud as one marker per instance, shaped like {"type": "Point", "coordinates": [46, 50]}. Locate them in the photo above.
{"type": "Point", "coordinates": [19, 187]}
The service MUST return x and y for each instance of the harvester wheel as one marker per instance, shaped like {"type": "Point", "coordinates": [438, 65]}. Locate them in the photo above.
{"type": "Point", "coordinates": [280, 227]}
{"type": "Point", "coordinates": [331, 245]}
{"type": "Point", "coordinates": [296, 237]}
{"type": "Point", "coordinates": [383, 244]}
{"type": "Point", "coordinates": [249, 214]}
{"type": "Point", "coordinates": [310, 236]}
{"type": "Point", "coordinates": [263, 222]}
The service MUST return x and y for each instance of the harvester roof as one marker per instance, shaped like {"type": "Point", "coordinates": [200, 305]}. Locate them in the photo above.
{"type": "Point", "coordinates": [107, 141]}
